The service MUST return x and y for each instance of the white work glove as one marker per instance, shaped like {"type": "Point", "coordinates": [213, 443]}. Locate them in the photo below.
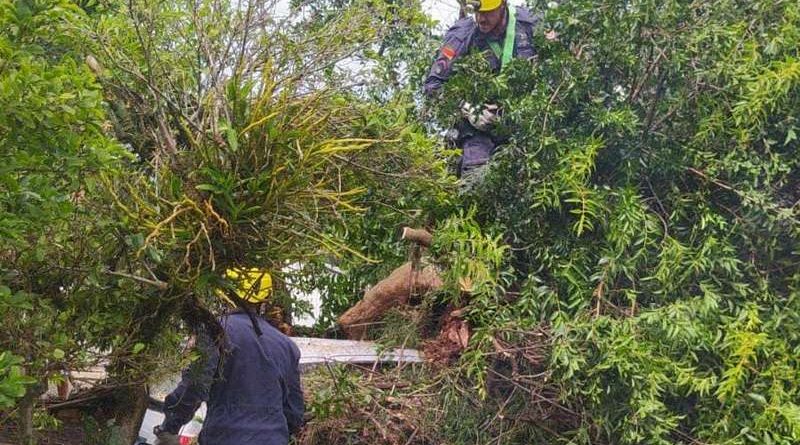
{"type": "Point", "coordinates": [165, 438]}
{"type": "Point", "coordinates": [481, 119]}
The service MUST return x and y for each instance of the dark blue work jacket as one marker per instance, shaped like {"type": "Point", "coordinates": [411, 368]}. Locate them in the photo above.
{"type": "Point", "coordinates": [252, 392]}
{"type": "Point", "coordinates": [464, 37]}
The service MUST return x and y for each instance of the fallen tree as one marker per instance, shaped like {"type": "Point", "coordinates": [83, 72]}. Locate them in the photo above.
{"type": "Point", "coordinates": [407, 281]}
{"type": "Point", "coordinates": [643, 219]}
{"type": "Point", "coordinates": [393, 291]}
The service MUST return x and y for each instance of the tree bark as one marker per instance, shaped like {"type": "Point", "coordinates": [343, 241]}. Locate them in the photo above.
{"type": "Point", "coordinates": [26, 420]}
{"type": "Point", "coordinates": [26, 405]}
{"type": "Point", "coordinates": [130, 406]}
{"type": "Point", "coordinates": [392, 291]}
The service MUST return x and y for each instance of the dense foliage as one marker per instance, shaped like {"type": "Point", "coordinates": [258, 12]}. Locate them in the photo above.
{"type": "Point", "coordinates": [149, 147]}
{"type": "Point", "coordinates": [53, 274]}
{"type": "Point", "coordinates": [627, 265]}
{"type": "Point", "coordinates": [648, 197]}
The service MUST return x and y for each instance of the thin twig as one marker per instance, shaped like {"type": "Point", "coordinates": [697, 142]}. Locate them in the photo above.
{"type": "Point", "coordinates": [157, 283]}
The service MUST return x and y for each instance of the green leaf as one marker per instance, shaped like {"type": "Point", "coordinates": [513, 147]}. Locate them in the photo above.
{"type": "Point", "coordinates": [208, 188]}
{"type": "Point", "coordinates": [757, 397]}
{"type": "Point", "coordinates": [230, 135]}
{"type": "Point", "coordinates": [790, 136]}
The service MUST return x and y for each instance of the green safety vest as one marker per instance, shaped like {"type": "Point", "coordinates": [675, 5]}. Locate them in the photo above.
{"type": "Point", "coordinates": [505, 54]}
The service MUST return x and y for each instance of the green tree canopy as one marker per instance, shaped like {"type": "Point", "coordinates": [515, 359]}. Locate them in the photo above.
{"type": "Point", "coordinates": [648, 197]}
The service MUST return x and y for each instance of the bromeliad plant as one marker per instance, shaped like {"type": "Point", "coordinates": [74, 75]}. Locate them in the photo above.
{"type": "Point", "coordinates": [260, 151]}
{"type": "Point", "coordinates": [260, 194]}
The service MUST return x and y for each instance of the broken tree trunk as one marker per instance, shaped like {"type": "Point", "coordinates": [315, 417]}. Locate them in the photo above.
{"type": "Point", "coordinates": [392, 291]}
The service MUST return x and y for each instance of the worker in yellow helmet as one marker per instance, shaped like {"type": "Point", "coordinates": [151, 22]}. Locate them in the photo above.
{"type": "Point", "coordinates": [501, 32]}
{"type": "Point", "coordinates": [250, 383]}
{"type": "Point", "coordinates": [252, 285]}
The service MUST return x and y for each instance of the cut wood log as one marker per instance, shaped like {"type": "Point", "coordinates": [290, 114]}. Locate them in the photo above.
{"type": "Point", "coordinates": [419, 236]}
{"type": "Point", "coordinates": [392, 291]}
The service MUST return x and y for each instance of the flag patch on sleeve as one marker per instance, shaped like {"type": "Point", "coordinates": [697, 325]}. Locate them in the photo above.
{"type": "Point", "coordinates": [448, 52]}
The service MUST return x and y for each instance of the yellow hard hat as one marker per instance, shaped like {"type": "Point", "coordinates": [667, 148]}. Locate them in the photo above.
{"type": "Point", "coordinates": [490, 5]}
{"type": "Point", "coordinates": [252, 285]}
{"type": "Point", "coordinates": [483, 5]}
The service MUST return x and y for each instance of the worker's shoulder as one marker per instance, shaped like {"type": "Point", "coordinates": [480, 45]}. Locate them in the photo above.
{"type": "Point", "coordinates": [525, 15]}
{"type": "Point", "coordinates": [234, 318]}
{"type": "Point", "coordinates": [282, 341]}
{"type": "Point", "coordinates": [461, 28]}
{"type": "Point", "coordinates": [275, 334]}
{"type": "Point", "coordinates": [239, 323]}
